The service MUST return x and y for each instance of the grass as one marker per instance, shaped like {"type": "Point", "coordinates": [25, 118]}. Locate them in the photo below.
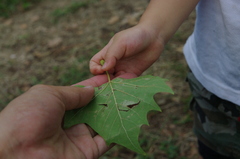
{"type": "Point", "coordinates": [73, 75]}
{"type": "Point", "coordinates": [170, 148]}
{"type": "Point", "coordinates": [74, 7]}
{"type": "Point", "coordinates": [183, 120]}
{"type": "Point", "coordinates": [9, 7]}
{"type": "Point", "coordinates": [77, 71]}
{"type": "Point", "coordinates": [34, 80]}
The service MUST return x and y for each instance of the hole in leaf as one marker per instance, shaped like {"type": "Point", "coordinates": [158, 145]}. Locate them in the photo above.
{"type": "Point", "coordinates": [129, 107]}
{"type": "Point", "coordinates": [105, 105]}
{"type": "Point", "coordinates": [133, 105]}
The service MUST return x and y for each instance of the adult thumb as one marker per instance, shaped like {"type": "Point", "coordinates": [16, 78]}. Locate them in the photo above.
{"type": "Point", "coordinates": [74, 97]}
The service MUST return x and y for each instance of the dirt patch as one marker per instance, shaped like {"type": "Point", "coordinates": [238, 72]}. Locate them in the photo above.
{"type": "Point", "coordinates": [52, 44]}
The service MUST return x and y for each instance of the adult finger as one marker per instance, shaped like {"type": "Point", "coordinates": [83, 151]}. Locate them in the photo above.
{"type": "Point", "coordinates": [101, 144]}
{"type": "Point", "coordinates": [74, 97]}
{"type": "Point", "coordinates": [94, 81]}
{"type": "Point", "coordinates": [67, 96]}
{"type": "Point", "coordinates": [126, 75]}
{"type": "Point", "coordinates": [95, 146]}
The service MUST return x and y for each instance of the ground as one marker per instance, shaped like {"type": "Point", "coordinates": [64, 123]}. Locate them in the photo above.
{"type": "Point", "coordinates": [52, 43]}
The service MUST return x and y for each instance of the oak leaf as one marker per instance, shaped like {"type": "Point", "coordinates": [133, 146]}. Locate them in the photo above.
{"type": "Point", "coordinates": [119, 108]}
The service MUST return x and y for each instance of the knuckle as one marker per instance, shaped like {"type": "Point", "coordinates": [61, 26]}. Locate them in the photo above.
{"type": "Point", "coordinates": [46, 90]}
{"type": "Point", "coordinates": [41, 87]}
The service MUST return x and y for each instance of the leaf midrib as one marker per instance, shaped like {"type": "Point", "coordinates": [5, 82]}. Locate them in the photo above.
{"type": "Point", "coordinates": [115, 101]}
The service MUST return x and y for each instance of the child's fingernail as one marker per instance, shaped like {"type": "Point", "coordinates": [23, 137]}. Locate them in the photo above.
{"type": "Point", "coordinates": [104, 66]}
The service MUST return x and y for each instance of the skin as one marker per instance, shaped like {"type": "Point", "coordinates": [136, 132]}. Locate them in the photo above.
{"type": "Point", "coordinates": [135, 49]}
{"type": "Point", "coordinates": [31, 124]}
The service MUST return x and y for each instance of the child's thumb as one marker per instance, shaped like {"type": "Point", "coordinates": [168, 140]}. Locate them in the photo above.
{"type": "Point", "coordinates": [109, 63]}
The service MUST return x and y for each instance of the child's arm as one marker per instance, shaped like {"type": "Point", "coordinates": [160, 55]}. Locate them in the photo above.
{"type": "Point", "coordinates": [137, 48]}
{"type": "Point", "coordinates": [165, 16]}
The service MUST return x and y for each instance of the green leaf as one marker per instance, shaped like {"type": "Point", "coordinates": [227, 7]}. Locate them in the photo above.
{"type": "Point", "coordinates": [119, 109]}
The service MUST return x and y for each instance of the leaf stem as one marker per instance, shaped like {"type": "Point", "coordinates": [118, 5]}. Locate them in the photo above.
{"type": "Point", "coordinates": [102, 63]}
{"type": "Point", "coordinates": [109, 79]}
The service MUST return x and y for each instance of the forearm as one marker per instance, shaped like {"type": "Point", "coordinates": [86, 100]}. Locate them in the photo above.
{"type": "Point", "coordinates": [165, 16]}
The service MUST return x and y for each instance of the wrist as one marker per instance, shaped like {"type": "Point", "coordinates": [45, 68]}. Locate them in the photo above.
{"type": "Point", "coordinates": [152, 30]}
{"type": "Point", "coordinates": [152, 34]}
{"type": "Point", "coordinates": [155, 24]}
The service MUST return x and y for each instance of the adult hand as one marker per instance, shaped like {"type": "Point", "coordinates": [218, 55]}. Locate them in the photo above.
{"type": "Point", "coordinates": [31, 125]}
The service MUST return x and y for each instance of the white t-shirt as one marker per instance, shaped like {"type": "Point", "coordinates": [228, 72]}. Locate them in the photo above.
{"type": "Point", "coordinates": [213, 50]}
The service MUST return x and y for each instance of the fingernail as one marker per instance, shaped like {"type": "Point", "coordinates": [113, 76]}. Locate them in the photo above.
{"type": "Point", "coordinates": [104, 66]}
{"type": "Point", "coordinates": [88, 87]}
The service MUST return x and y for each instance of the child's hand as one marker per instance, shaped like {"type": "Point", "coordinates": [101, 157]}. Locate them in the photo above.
{"type": "Point", "coordinates": [135, 49]}
{"type": "Point", "coordinates": [129, 51]}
